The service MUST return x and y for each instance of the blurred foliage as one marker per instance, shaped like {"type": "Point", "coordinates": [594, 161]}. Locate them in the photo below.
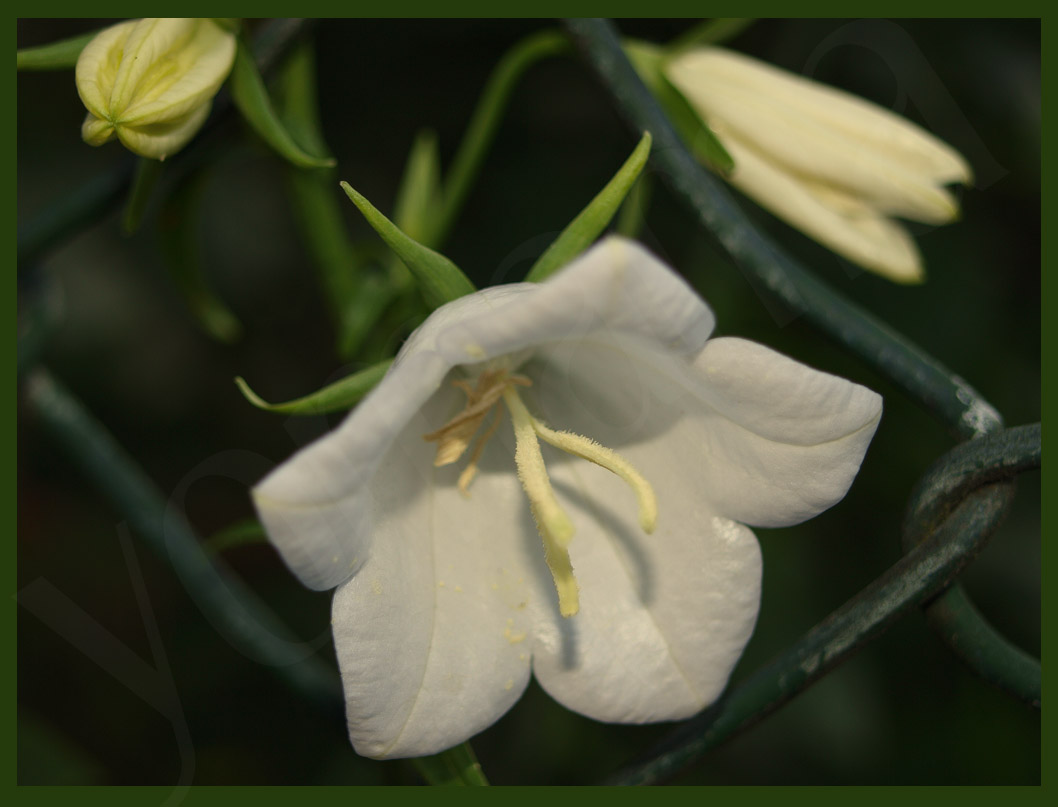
{"type": "Point", "coordinates": [902, 711]}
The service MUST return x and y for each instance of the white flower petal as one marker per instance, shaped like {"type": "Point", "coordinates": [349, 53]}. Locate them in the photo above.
{"type": "Point", "coordinates": [158, 141]}
{"type": "Point", "coordinates": [786, 440]}
{"type": "Point", "coordinates": [312, 505]}
{"type": "Point", "coordinates": [317, 505]}
{"type": "Point", "coordinates": [151, 40]}
{"type": "Point", "coordinates": [854, 231]}
{"type": "Point", "coordinates": [699, 72]}
{"type": "Point", "coordinates": [664, 617]}
{"type": "Point", "coordinates": [434, 632]}
{"type": "Point", "coordinates": [768, 441]}
{"type": "Point", "coordinates": [97, 67]}
{"type": "Point", "coordinates": [201, 66]}
{"type": "Point", "coordinates": [616, 285]}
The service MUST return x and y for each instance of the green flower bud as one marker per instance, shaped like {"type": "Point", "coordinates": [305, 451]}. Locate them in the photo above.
{"type": "Point", "coordinates": [151, 82]}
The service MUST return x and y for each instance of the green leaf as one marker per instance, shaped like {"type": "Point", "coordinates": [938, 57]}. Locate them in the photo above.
{"type": "Point", "coordinates": [456, 767]}
{"type": "Point", "coordinates": [250, 96]}
{"type": "Point", "coordinates": [241, 533]}
{"type": "Point", "coordinates": [417, 209]}
{"type": "Point", "coordinates": [593, 219]}
{"type": "Point", "coordinates": [649, 61]}
{"type": "Point", "coordinates": [60, 55]}
{"type": "Point", "coordinates": [634, 210]}
{"type": "Point", "coordinates": [298, 103]}
{"type": "Point", "coordinates": [336, 397]}
{"type": "Point", "coordinates": [147, 173]}
{"type": "Point", "coordinates": [440, 280]}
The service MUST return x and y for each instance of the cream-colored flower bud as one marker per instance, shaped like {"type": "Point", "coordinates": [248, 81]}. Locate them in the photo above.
{"type": "Point", "coordinates": [151, 82]}
{"type": "Point", "coordinates": [835, 166]}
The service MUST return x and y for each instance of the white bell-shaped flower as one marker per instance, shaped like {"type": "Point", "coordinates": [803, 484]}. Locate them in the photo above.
{"type": "Point", "coordinates": [577, 510]}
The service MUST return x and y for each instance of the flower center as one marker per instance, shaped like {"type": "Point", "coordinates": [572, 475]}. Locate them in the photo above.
{"type": "Point", "coordinates": [552, 522]}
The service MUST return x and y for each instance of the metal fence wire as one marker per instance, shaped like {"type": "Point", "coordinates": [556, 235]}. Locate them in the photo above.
{"type": "Point", "coordinates": [952, 511]}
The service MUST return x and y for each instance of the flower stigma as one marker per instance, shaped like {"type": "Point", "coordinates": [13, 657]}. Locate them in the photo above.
{"type": "Point", "coordinates": [552, 522]}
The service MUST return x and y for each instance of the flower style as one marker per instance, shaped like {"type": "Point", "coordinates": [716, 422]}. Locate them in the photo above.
{"type": "Point", "coordinates": [835, 166]}
{"type": "Point", "coordinates": [616, 569]}
{"type": "Point", "coordinates": [151, 82]}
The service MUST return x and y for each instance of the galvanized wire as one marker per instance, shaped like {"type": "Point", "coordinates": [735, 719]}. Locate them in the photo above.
{"type": "Point", "coordinates": [971, 514]}
{"type": "Point", "coordinates": [774, 274]}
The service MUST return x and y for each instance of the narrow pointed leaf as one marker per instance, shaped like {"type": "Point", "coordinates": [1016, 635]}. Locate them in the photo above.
{"type": "Point", "coordinates": [634, 209]}
{"type": "Point", "coordinates": [251, 97]}
{"type": "Point", "coordinates": [440, 280]}
{"type": "Point", "coordinates": [60, 55]}
{"type": "Point", "coordinates": [336, 397]}
{"type": "Point", "coordinates": [417, 210]}
{"type": "Point", "coordinates": [592, 220]}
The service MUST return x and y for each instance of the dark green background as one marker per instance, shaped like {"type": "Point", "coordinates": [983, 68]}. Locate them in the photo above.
{"type": "Point", "coordinates": [902, 711]}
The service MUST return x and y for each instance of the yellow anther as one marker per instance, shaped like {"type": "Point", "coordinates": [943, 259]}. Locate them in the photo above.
{"type": "Point", "coordinates": [453, 438]}
{"type": "Point", "coordinates": [468, 474]}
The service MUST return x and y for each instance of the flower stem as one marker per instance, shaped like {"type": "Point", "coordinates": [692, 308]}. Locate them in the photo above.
{"type": "Point", "coordinates": [456, 767]}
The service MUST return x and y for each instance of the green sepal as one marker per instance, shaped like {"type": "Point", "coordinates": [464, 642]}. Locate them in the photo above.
{"type": "Point", "coordinates": [440, 280]}
{"type": "Point", "coordinates": [649, 61]}
{"type": "Point", "coordinates": [593, 219]}
{"type": "Point", "coordinates": [61, 55]}
{"type": "Point", "coordinates": [336, 397]}
{"type": "Point", "coordinates": [251, 98]}
{"type": "Point", "coordinates": [244, 532]}
{"type": "Point", "coordinates": [708, 32]}
{"type": "Point", "coordinates": [146, 177]}
{"type": "Point", "coordinates": [456, 767]}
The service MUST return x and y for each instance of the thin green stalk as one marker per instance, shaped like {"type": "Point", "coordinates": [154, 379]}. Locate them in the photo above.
{"type": "Point", "coordinates": [456, 767]}
{"type": "Point", "coordinates": [486, 119]}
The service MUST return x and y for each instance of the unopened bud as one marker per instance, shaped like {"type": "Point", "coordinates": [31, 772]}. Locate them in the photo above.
{"type": "Point", "coordinates": [151, 82]}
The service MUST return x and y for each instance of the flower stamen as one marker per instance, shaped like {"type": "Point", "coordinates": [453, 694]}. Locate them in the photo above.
{"type": "Point", "coordinates": [554, 526]}
{"type": "Point", "coordinates": [552, 522]}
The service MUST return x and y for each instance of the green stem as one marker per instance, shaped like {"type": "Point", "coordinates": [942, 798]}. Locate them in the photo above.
{"type": "Point", "coordinates": [486, 118]}
{"type": "Point", "coordinates": [456, 767]}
